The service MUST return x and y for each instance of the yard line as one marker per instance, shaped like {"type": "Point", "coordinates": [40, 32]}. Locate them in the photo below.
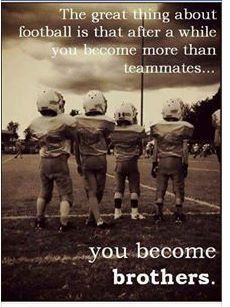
{"type": "Point", "coordinates": [188, 198]}
{"type": "Point", "coordinates": [28, 217]}
{"type": "Point", "coordinates": [204, 169]}
{"type": "Point", "coordinates": [50, 258]}
{"type": "Point", "coordinates": [7, 160]}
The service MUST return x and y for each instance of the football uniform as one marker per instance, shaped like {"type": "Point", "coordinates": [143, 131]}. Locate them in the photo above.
{"type": "Point", "coordinates": [54, 135]}
{"type": "Point", "coordinates": [92, 134]}
{"type": "Point", "coordinates": [171, 152]}
{"type": "Point", "coordinates": [127, 140]}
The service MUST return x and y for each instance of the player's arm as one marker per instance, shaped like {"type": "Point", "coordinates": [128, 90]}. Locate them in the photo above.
{"type": "Point", "coordinates": [155, 159]}
{"type": "Point", "coordinates": [185, 152]}
{"type": "Point", "coordinates": [185, 155]}
{"type": "Point", "coordinates": [107, 131]}
{"type": "Point", "coordinates": [155, 152]}
{"type": "Point", "coordinates": [32, 133]}
{"type": "Point", "coordinates": [77, 154]}
{"type": "Point", "coordinates": [154, 136]}
{"type": "Point", "coordinates": [140, 144]}
{"type": "Point", "coordinates": [188, 132]}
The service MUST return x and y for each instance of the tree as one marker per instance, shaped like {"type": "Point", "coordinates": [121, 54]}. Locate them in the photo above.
{"type": "Point", "coordinates": [27, 134]}
{"type": "Point", "coordinates": [13, 128]}
{"type": "Point", "coordinates": [200, 116]}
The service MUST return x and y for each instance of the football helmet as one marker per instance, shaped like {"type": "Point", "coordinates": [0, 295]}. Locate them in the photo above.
{"type": "Point", "coordinates": [172, 109]}
{"type": "Point", "coordinates": [126, 112]}
{"type": "Point", "coordinates": [95, 102]}
{"type": "Point", "coordinates": [50, 100]}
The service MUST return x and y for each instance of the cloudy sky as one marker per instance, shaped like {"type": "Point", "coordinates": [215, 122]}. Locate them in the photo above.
{"type": "Point", "coordinates": [28, 66]}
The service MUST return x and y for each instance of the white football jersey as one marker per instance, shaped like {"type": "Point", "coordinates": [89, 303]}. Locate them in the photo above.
{"type": "Point", "coordinates": [54, 134]}
{"type": "Point", "coordinates": [127, 141]}
{"type": "Point", "coordinates": [170, 136]}
{"type": "Point", "coordinates": [92, 133]}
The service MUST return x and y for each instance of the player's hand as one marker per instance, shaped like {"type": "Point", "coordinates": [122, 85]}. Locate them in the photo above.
{"type": "Point", "coordinates": [154, 169]}
{"type": "Point", "coordinates": [185, 170]}
{"type": "Point", "coordinates": [79, 170]}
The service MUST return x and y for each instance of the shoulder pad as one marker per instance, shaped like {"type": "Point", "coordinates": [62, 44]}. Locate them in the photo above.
{"type": "Point", "coordinates": [136, 129]}
{"type": "Point", "coordinates": [67, 119]}
{"type": "Point", "coordinates": [36, 122]}
{"type": "Point", "coordinates": [187, 124]}
{"type": "Point", "coordinates": [96, 118]}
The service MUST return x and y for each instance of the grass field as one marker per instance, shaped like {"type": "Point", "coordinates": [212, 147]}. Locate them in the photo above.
{"type": "Point", "coordinates": [49, 266]}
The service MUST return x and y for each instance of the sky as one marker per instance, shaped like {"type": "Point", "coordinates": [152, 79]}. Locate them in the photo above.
{"type": "Point", "coordinates": [28, 66]}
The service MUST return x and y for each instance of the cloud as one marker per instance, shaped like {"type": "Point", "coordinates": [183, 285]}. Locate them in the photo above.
{"type": "Point", "coordinates": [80, 73]}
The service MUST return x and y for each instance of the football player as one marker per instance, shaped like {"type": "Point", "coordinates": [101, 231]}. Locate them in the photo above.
{"type": "Point", "coordinates": [216, 121]}
{"type": "Point", "coordinates": [19, 148]}
{"type": "Point", "coordinates": [93, 130]}
{"type": "Point", "coordinates": [127, 140]}
{"type": "Point", "coordinates": [170, 158]}
{"type": "Point", "coordinates": [55, 131]}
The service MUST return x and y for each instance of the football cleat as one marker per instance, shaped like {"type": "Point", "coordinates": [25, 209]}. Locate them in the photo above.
{"type": "Point", "coordinates": [64, 228]}
{"type": "Point", "coordinates": [39, 224]}
{"type": "Point", "coordinates": [117, 214]}
{"type": "Point", "coordinates": [179, 218]}
{"type": "Point", "coordinates": [137, 216]}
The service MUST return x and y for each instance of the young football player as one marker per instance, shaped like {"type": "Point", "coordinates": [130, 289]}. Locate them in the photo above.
{"type": "Point", "coordinates": [54, 130]}
{"type": "Point", "coordinates": [19, 148]}
{"type": "Point", "coordinates": [93, 130]}
{"type": "Point", "coordinates": [170, 158]}
{"type": "Point", "coordinates": [217, 138]}
{"type": "Point", "coordinates": [127, 141]}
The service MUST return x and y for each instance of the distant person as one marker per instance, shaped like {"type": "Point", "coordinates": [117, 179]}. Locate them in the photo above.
{"type": "Point", "coordinates": [127, 140]}
{"type": "Point", "coordinates": [196, 150]}
{"type": "Point", "coordinates": [216, 121]}
{"type": "Point", "coordinates": [93, 131]}
{"type": "Point", "coordinates": [54, 130]}
{"type": "Point", "coordinates": [19, 148]}
{"type": "Point", "coordinates": [170, 158]}
{"type": "Point", "coordinates": [206, 150]}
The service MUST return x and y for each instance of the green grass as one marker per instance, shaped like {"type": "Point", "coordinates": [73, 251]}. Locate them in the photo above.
{"type": "Point", "coordinates": [48, 266]}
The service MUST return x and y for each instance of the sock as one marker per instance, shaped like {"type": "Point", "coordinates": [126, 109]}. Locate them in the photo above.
{"type": "Point", "coordinates": [100, 221]}
{"type": "Point", "coordinates": [117, 203]}
{"type": "Point", "coordinates": [134, 211]}
{"type": "Point", "coordinates": [134, 203]}
{"type": "Point", "coordinates": [41, 206]}
{"type": "Point", "coordinates": [94, 207]}
{"type": "Point", "coordinates": [64, 211]}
